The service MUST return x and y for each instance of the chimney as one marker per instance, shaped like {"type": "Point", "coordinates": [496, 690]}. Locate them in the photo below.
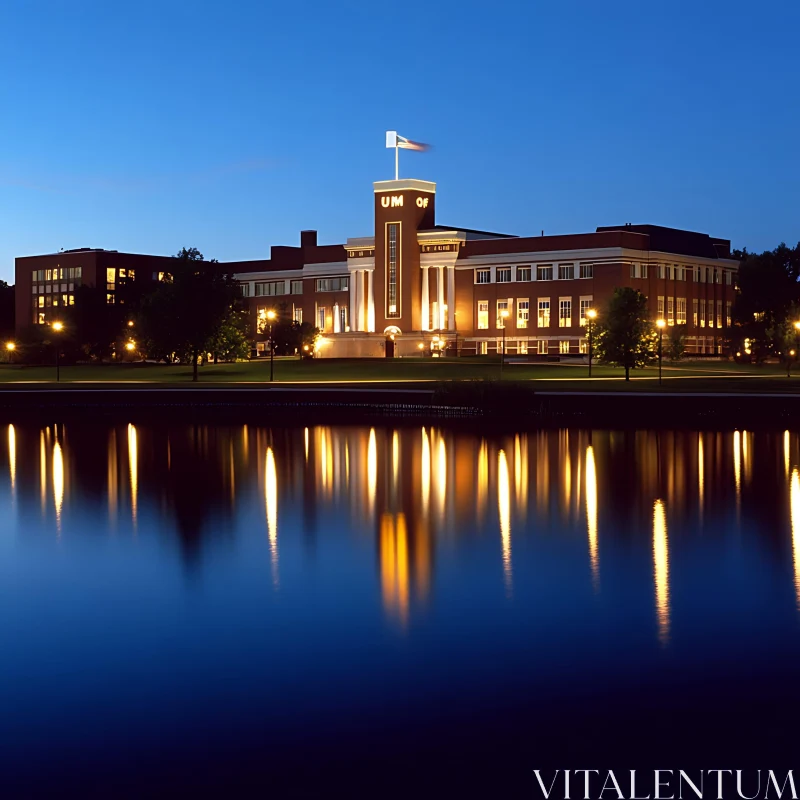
{"type": "Point", "coordinates": [308, 239]}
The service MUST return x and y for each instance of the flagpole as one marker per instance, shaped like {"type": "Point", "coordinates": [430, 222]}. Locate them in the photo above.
{"type": "Point", "coordinates": [396, 163]}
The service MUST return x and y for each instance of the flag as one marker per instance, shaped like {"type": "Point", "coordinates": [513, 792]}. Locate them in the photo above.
{"type": "Point", "coordinates": [393, 140]}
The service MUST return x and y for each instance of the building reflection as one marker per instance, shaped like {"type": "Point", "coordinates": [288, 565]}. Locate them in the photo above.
{"type": "Point", "coordinates": [661, 570]}
{"type": "Point", "coordinates": [591, 516]}
{"type": "Point", "coordinates": [504, 513]}
{"type": "Point", "coordinates": [794, 510]}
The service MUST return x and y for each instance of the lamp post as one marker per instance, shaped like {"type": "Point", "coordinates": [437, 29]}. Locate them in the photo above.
{"type": "Point", "coordinates": [504, 316]}
{"type": "Point", "coordinates": [660, 323]}
{"type": "Point", "coordinates": [11, 347]}
{"type": "Point", "coordinates": [58, 327]}
{"type": "Point", "coordinates": [130, 346]}
{"type": "Point", "coordinates": [591, 314]}
{"type": "Point", "coordinates": [271, 318]}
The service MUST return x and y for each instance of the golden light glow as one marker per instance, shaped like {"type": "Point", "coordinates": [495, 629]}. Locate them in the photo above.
{"type": "Point", "coordinates": [271, 502]}
{"type": "Point", "coordinates": [483, 478]}
{"type": "Point", "coordinates": [504, 314]}
{"type": "Point", "coordinates": [425, 471]}
{"type": "Point", "coordinates": [58, 482]}
{"type": "Point", "coordinates": [794, 507]}
{"type": "Point", "coordinates": [58, 326]}
{"type": "Point", "coordinates": [737, 462]}
{"type": "Point", "coordinates": [591, 516]}
{"type": "Point", "coordinates": [394, 565]}
{"type": "Point", "coordinates": [12, 456]}
{"type": "Point", "coordinates": [661, 570]}
{"type": "Point", "coordinates": [797, 326]}
{"type": "Point", "coordinates": [395, 458]}
{"type": "Point", "coordinates": [660, 323]}
{"type": "Point", "coordinates": [42, 469]}
{"type": "Point", "coordinates": [591, 313]}
{"type": "Point", "coordinates": [130, 323]}
{"type": "Point", "coordinates": [786, 452]}
{"type": "Point", "coordinates": [504, 511]}
{"type": "Point", "coordinates": [133, 468]}
{"type": "Point", "coordinates": [441, 473]}
{"type": "Point", "coordinates": [372, 469]}
{"type": "Point", "coordinates": [305, 442]}
{"type": "Point", "coordinates": [270, 315]}
{"type": "Point", "coordinates": [130, 346]}
{"type": "Point", "coordinates": [521, 471]}
{"type": "Point", "coordinates": [10, 346]}
{"type": "Point", "coordinates": [112, 476]}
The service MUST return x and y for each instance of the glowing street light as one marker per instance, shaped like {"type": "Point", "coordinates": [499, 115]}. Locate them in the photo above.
{"type": "Point", "coordinates": [660, 323]}
{"type": "Point", "coordinates": [591, 315]}
{"type": "Point", "coordinates": [10, 347]}
{"type": "Point", "coordinates": [271, 317]}
{"type": "Point", "coordinates": [58, 327]}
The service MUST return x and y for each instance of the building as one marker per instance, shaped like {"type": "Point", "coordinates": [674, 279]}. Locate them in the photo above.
{"type": "Point", "coordinates": [417, 287]}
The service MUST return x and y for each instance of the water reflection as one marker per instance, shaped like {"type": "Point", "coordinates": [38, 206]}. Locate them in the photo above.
{"type": "Point", "coordinates": [411, 492]}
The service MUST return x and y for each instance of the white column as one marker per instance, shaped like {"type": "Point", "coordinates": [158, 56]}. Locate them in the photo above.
{"type": "Point", "coordinates": [353, 301]}
{"type": "Point", "coordinates": [426, 302]}
{"type": "Point", "coordinates": [360, 300]}
{"type": "Point", "coordinates": [336, 328]}
{"type": "Point", "coordinates": [451, 298]}
{"type": "Point", "coordinates": [440, 297]}
{"type": "Point", "coordinates": [370, 301]}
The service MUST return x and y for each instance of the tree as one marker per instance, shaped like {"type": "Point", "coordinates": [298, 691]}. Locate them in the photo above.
{"type": "Point", "coordinates": [625, 334]}
{"type": "Point", "coordinates": [92, 324]}
{"type": "Point", "coordinates": [6, 311]}
{"type": "Point", "coordinates": [186, 314]}
{"type": "Point", "coordinates": [232, 340]}
{"type": "Point", "coordinates": [676, 344]}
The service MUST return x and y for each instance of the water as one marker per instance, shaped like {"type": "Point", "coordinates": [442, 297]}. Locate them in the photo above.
{"type": "Point", "coordinates": [192, 608]}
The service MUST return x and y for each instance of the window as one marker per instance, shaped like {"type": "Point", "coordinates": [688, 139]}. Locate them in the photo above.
{"type": "Point", "coordinates": [48, 274]}
{"type": "Point", "coordinates": [717, 276]}
{"type": "Point", "coordinates": [483, 276]}
{"type": "Point", "coordinates": [41, 301]}
{"type": "Point", "coordinates": [499, 345]}
{"type": "Point", "coordinates": [298, 314]}
{"type": "Point", "coordinates": [111, 276]}
{"type": "Point", "coordinates": [661, 272]}
{"type": "Point", "coordinates": [270, 288]}
{"type": "Point", "coordinates": [55, 299]}
{"type": "Point", "coordinates": [33, 289]}
{"type": "Point", "coordinates": [541, 347]}
{"type": "Point", "coordinates": [483, 314]}
{"type": "Point", "coordinates": [41, 318]}
{"type": "Point", "coordinates": [123, 273]}
{"type": "Point", "coordinates": [523, 313]}
{"type": "Point", "coordinates": [563, 347]}
{"type": "Point", "coordinates": [523, 273]}
{"type": "Point", "coordinates": [544, 312]}
{"type": "Point", "coordinates": [296, 287]}
{"type": "Point", "coordinates": [697, 274]}
{"type": "Point", "coordinates": [392, 270]}
{"type": "Point", "coordinates": [504, 274]}
{"type": "Point", "coordinates": [728, 307]}
{"type": "Point", "coordinates": [522, 348]}
{"type": "Point", "coordinates": [72, 299]}
{"type": "Point", "coordinates": [669, 272]}
{"type": "Point", "coordinates": [502, 313]}
{"type": "Point", "coordinates": [48, 301]}
{"type": "Point", "coordinates": [702, 308]}
{"type": "Point", "coordinates": [48, 288]}
{"type": "Point", "coordinates": [544, 273]}
{"type": "Point", "coordinates": [587, 270]}
{"type": "Point", "coordinates": [681, 320]}
{"type": "Point", "coordinates": [321, 318]}
{"type": "Point", "coordinates": [564, 312]}
{"type": "Point", "coordinates": [694, 313]}
{"type": "Point", "coordinates": [729, 276]}
{"type": "Point", "coordinates": [586, 304]}
{"type": "Point", "coordinates": [660, 311]}
{"type": "Point", "coordinates": [719, 313]}
{"type": "Point", "coordinates": [244, 289]}
{"type": "Point", "coordinates": [670, 311]}
{"type": "Point", "coordinates": [680, 273]}
{"type": "Point", "coordinates": [583, 347]}
{"type": "Point", "coordinates": [643, 270]}
{"type": "Point", "coordinates": [710, 314]}
{"type": "Point", "coordinates": [566, 272]}
{"type": "Point", "coordinates": [331, 284]}
{"type": "Point", "coordinates": [342, 318]}
{"type": "Point", "coordinates": [110, 299]}
{"type": "Point", "coordinates": [634, 271]}
{"type": "Point", "coordinates": [483, 348]}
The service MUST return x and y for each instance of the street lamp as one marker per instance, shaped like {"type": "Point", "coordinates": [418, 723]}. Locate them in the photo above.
{"type": "Point", "coordinates": [130, 346]}
{"type": "Point", "coordinates": [271, 318]}
{"type": "Point", "coordinates": [504, 316]}
{"type": "Point", "coordinates": [591, 314]}
{"type": "Point", "coordinates": [10, 347]}
{"type": "Point", "coordinates": [58, 327]}
{"type": "Point", "coordinates": [661, 323]}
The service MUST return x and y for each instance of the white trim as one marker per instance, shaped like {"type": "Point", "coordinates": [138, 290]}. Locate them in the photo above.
{"type": "Point", "coordinates": [405, 184]}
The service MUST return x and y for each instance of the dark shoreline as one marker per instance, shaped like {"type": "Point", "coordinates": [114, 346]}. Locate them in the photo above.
{"type": "Point", "coordinates": [476, 407]}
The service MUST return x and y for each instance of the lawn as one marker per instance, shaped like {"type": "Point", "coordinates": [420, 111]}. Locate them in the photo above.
{"type": "Point", "coordinates": [685, 376]}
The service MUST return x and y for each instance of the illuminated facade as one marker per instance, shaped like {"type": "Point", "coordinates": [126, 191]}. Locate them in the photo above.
{"type": "Point", "coordinates": [416, 287]}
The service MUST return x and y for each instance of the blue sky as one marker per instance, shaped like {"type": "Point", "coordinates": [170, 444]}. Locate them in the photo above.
{"type": "Point", "coordinates": [149, 126]}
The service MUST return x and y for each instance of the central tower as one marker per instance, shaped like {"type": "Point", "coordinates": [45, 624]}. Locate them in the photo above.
{"type": "Point", "coordinates": [402, 208]}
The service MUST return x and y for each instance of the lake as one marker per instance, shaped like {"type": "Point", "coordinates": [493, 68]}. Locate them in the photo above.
{"type": "Point", "coordinates": [392, 609]}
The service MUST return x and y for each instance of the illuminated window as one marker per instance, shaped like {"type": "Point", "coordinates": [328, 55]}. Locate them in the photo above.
{"type": "Point", "coordinates": [523, 313]}
{"type": "Point", "coordinates": [670, 311]}
{"type": "Point", "coordinates": [681, 320]}
{"type": "Point", "coordinates": [41, 318]}
{"type": "Point", "coordinates": [544, 273]}
{"type": "Point", "coordinates": [564, 312]}
{"type": "Point", "coordinates": [544, 312]}
{"type": "Point", "coordinates": [483, 276]}
{"type": "Point", "coordinates": [55, 299]}
{"type": "Point", "coordinates": [111, 275]}
{"type": "Point", "coordinates": [523, 273]}
{"type": "Point", "coordinates": [719, 313]}
{"type": "Point", "coordinates": [504, 274]}
{"type": "Point", "coordinates": [131, 274]}
{"type": "Point", "coordinates": [483, 314]}
{"type": "Point", "coordinates": [332, 284]}
{"type": "Point", "coordinates": [728, 308]}
{"type": "Point", "coordinates": [110, 299]}
{"type": "Point", "coordinates": [41, 301]}
{"type": "Point", "coordinates": [661, 307]}
{"type": "Point", "coordinates": [583, 346]}
{"type": "Point", "coordinates": [298, 314]}
{"type": "Point", "coordinates": [483, 348]}
{"type": "Point", "coordinates": [522, 348]}
{"type": "Point", "coordinates": [72, 299]}
{"type": "Point", "coordinates": [694, 313]}
{"type": "Point", "coordinates": [563, 347]}
{"type": "Point", "coordinates": [710, 314]}
{"type": "Point", "coordinates": [321, 318]}
{"type": "Point", "coordinates": [270, 288]}
{"type": "Point", "coordinates": [702, 308]}
{"type": "Point", "coordinates": [296, 287]}
{"type": "Point", "coordinates": [49, 274]}
{"type": "Point", "coordinates": [587, 270]}
{"type": "Point", "coordinates": [566, 272]}
{"type": "Point", "coordinates": [123, 273]}
{"type": "Point", "coordinates": [502, 313]}
{"type": "Point", "coordinates": [586, 304]}
{"type": "Point", "coordinates": [392, 270]}
{"type": "Point", "coordinates": [541, 347]}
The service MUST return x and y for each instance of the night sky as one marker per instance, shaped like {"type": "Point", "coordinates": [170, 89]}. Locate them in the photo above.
{"type": "Point", "coordinates": [151, 125]}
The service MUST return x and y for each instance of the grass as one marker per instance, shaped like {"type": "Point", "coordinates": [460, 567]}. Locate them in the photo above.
{"type": "Point", "coordinates": [684, 376]}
